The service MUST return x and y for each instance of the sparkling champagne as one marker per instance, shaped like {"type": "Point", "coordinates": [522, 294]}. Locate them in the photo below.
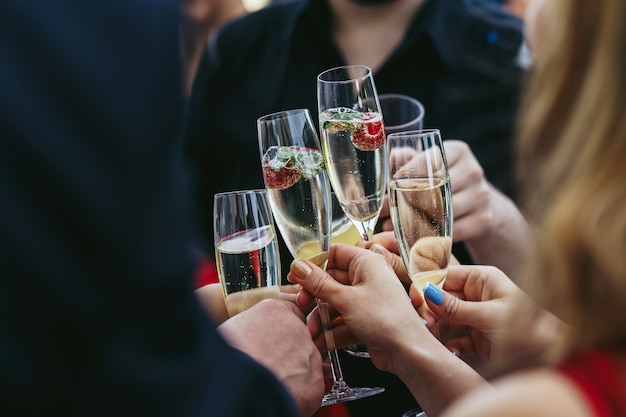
{"type": "Point", "coordinates": [355, 159]}
{"type": "Point", "coordinates": [421, 212]}
{"type": "Point", "coordinates": [298, 190]}
{"type": "Point", "coordinates": [245, 264]}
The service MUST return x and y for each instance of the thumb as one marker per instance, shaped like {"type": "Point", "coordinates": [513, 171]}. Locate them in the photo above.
{"type": "Point", "coordinates": [313, 280]}
{"type": "Point", "coordinates": [446, 306]}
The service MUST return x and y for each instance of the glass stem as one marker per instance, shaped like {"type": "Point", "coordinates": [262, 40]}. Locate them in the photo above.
{"type": "Point", "coordinates": [335, 366]}
{"type": "Point", "coordinates": [364, 230]}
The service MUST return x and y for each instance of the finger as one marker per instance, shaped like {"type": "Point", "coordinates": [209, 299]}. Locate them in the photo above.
{"type": "Point", "coordinates": [313, 279]}
{"type": "Point", "coordinates": [395, 261]}
{"type": "Point", "coordinates": [305, 301]}
{"type": "Point", "coordinates": [461, 345]}
{"type": "Point", "coordinates": [464, 168]}
{"type": "Point", "coordinates": [385, 239]}
{"type": "Point", "coordinates": [304, 298]}
{"type": "Point", "coordinates": [456, 278]}
{"type": "Point", "coordinates": [451, 308]}
{"type": "Point", "coordinates": [315, 325]}
{"type": "Point", "coordinates": [342, 336]}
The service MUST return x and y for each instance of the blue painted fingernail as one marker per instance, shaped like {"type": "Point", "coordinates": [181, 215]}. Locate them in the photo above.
{"type": "Point", "coordinates": [433, 293]}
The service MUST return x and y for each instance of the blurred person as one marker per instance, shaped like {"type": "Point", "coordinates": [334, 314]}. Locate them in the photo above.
{"type": "Point", "coordinates": [570, 166]}
{"type": "Point", "coordinates": [199, 20]}
{"type": "Point", "coordinates": [99, 316]}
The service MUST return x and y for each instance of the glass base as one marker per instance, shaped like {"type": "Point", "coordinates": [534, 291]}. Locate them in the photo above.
{"type": "Point", "coordinates": [416, 412]}
{"type": "Point", "coordinates": [342, 395]}
{"type": "Point", "coordinates": [359, 351]}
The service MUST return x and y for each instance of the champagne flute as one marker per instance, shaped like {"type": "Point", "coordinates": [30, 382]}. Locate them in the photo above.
{"type": "Point", "coordinates": [421, 204]}
{"type": "Point", "coordinates": [353, 139]}
{"type": "Point", "coordinates": [246, 248]}
{"type": "Point", "coordinates": [401, 113]}
{"type": "Point", "coordinates": [295, 177]}
{"type": "Point", "coordinates": [421, 207]}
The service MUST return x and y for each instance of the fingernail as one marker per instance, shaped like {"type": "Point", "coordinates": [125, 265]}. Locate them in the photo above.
{"type": "Point", "coordinates": [425, 322]}
{"type": "Point", "coordinates": [301, 268]}
{"type": "Point", "coordinates": [378, 249]}
{"type": "Point", "coordinates": [433, 293]}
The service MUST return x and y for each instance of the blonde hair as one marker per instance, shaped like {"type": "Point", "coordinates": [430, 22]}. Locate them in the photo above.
{"type": "Point", "coordinates": [572, 170]}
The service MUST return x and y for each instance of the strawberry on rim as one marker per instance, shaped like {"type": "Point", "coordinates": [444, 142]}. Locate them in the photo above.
{"type": "Point", "coordinates": [370, 135]}
{"type": "Point", "coordinates": [284, 166]}
{"type": "Point", "coordinates": [367, 129]}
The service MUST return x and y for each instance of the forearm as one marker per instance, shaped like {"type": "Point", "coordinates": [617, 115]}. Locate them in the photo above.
{"type": "Point", "coordinates": [212, 299]}
{"type": "Point", "coordinates": [434, 375]}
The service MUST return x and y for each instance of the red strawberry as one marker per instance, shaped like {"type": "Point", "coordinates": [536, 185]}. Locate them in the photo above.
{"type": "Point", "coordinates": [369, 136]}
{"type": "Point", "coordinates": [281, 178]}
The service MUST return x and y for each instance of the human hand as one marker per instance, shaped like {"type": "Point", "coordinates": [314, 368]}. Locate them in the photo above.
{"type": "Point", "coordinates": [471, 192]}
{"type": "Point", "coordinates": [387, 246]}
{"type": "Point", "coordinates": [286, 349]}
{"type": "Point", "coordinates": [489, 223]}
{"type": "Point", "coordinates": [474, 310]}
{"type": "Point", "coordinates": [391, 253]}
{"type": "Point", "coordinates": [365, 291]}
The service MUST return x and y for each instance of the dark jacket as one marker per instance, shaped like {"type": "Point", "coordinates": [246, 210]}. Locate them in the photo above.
{"type": "Point", "coordinates": [97, 312]}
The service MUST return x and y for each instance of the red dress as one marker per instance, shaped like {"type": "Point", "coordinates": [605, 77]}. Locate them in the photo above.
{"type": "Point", "coordinates": [601, 378]}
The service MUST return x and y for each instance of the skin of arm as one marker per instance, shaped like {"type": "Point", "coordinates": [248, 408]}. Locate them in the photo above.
{"type": "Point", "coordinates": [540, 392]}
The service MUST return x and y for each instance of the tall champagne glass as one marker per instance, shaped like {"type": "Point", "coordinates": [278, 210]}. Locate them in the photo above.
{"type": "Point", "coordinates": [421, 204]}
{"type": "Point", "coordinates": [353, 139]}
{"type": "Point", "coordinates": [421, 207]}
{"type": "Point", "coordinates": [246, 248]}
{"type": "Point", "coordinates": [295, 177]}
